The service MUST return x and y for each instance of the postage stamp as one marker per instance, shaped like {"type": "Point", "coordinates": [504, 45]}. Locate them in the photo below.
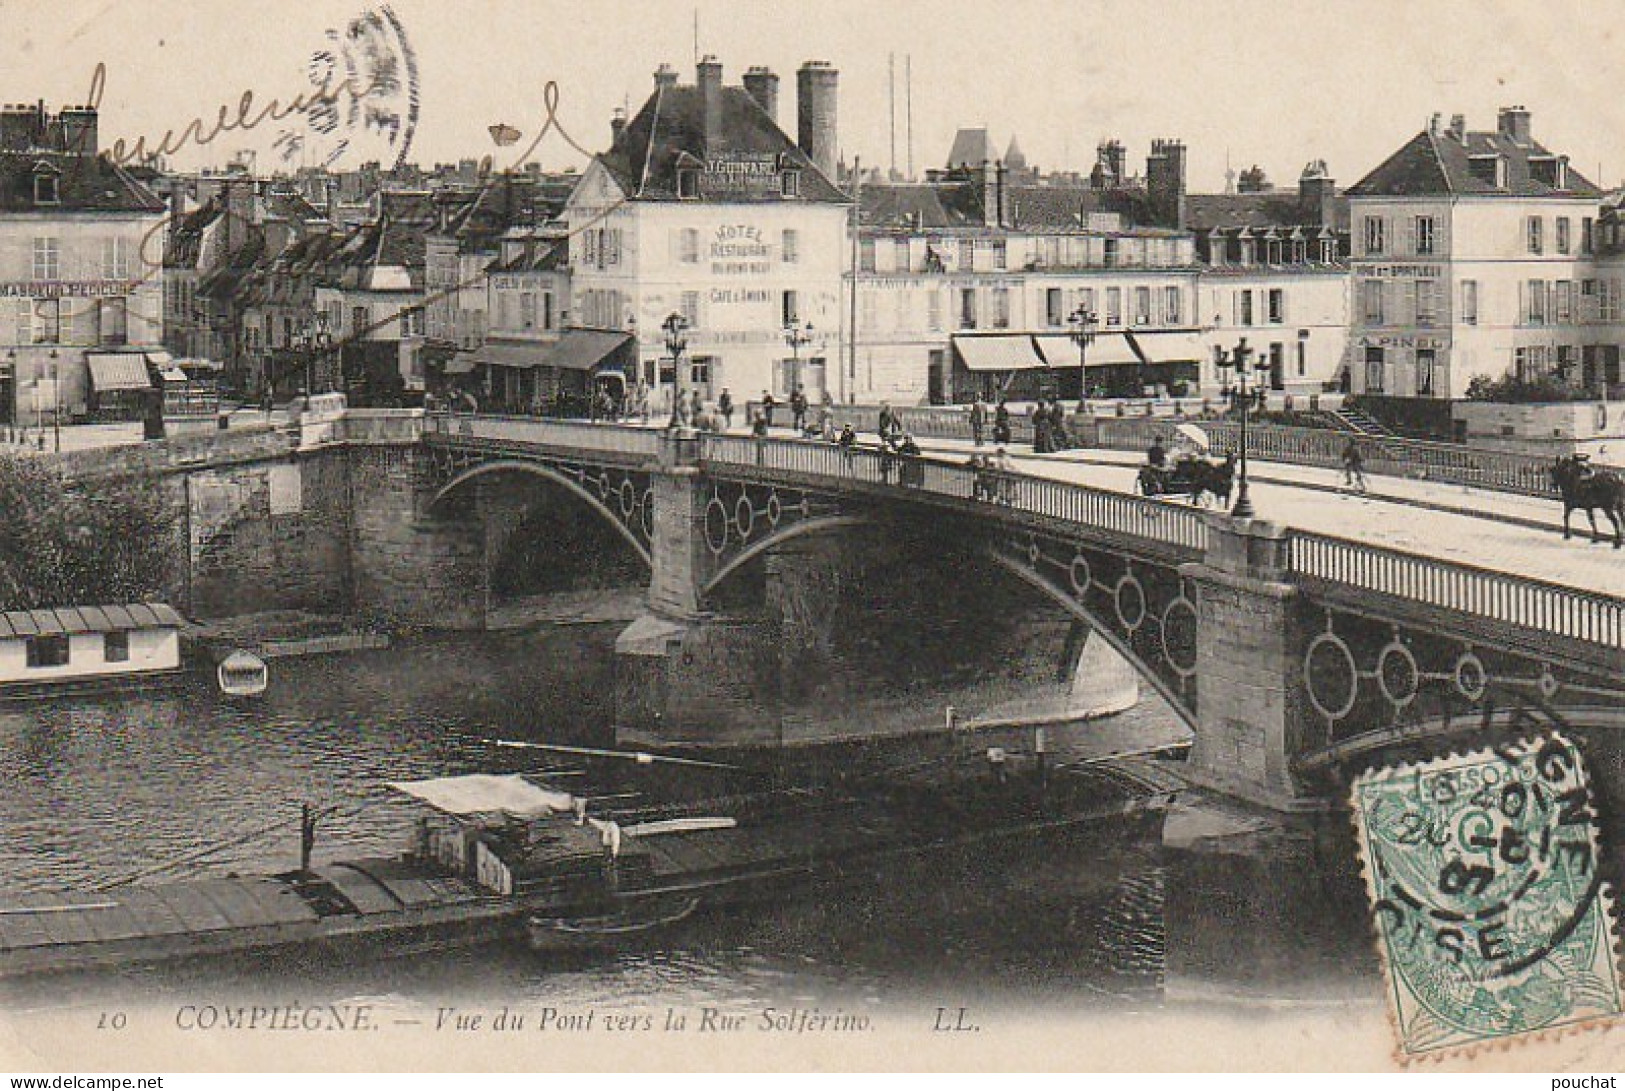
{"type": "Point", "coordinates": [1492, 918]}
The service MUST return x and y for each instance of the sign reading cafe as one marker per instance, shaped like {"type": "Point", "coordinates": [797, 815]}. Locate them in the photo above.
{"type": "Point", "coordinates": [59, 289]}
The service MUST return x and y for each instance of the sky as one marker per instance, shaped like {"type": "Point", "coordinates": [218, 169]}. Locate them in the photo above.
{"type": "Point", "coordinates": [1242, 82]}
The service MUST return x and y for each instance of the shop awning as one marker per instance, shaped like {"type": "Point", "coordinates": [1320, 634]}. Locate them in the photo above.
{"type": "Point", "coordinates": [519, 354]}
{"type": "Point", "coordinates": [461, 364]}
{"type": "Point", "coordinates": [173, 375]}
{"type": "Point", "coordinates": [160, 359]}
{"type": "Point", "coordinates": [584, 350]}
{"type": "Point", "coordinates": [998, 352]}
{"type": "Point", "coordinates": [111, 371]}
{"type": "Point", "coordinates": [1106, 350]}
{"type": "Point", "coordinates": [1169, 348]}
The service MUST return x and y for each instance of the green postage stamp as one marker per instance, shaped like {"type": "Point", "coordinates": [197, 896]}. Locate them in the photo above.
{"type": "Point", "coordinates": [1491, 915]}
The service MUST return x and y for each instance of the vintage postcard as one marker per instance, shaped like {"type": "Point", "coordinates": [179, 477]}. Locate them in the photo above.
{"type": "Point", "coordinates": [685, 536]}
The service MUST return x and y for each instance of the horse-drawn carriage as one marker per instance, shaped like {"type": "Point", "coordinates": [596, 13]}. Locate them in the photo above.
{"type": "Point", "coordinates": [1188, 476]}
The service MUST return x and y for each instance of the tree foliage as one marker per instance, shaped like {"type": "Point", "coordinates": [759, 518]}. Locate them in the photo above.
{"type": "Point", "coordinates": [69, 543]}
{"type": "Point", "coordinates": [1513, 390]}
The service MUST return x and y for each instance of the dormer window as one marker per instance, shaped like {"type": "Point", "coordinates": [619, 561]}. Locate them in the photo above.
{"type": "Point", "coordinates": [45, 186]}
{"type": "Point", "coordinates": [790, 183]}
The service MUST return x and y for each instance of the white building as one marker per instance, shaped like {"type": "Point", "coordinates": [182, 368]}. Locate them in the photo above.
{"type": "Point", "coordinates": [703, 207]}
{"type": "Point", "coordinates": [1474, 254]}
{"type": "Point", "coordinates": [81, 268]}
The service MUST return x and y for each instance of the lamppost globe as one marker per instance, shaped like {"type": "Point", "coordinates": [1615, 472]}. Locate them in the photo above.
{"type": "Point", "coordinates": [1083, 325]}
{"type": "Point", "coordinates": [796, 336]}
{"type": "Point", "coordinates": [675, 326]}
{"type": "Point", "coordinates": [1239, 359]}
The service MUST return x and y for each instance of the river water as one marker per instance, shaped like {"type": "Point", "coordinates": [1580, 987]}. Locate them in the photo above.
{"type": "Point", "coordinates": [93, 791]}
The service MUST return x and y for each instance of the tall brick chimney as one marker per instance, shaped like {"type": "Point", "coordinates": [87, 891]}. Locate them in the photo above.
{"type": "Point", "coordinates": [815, 114]}
{"type": "Point", "coordinates": [1316, 193]}
{"type": "Point", "coordinates": [1165, 182]}
{"type": "Point", "coordinates": [19, 128]}
{"type": "Point", "coordinates": [763, 86]}
{"type": "Point", "coordinates": [1513, 122]}
{"type": "Point", "coordinates": [708, 76]}
{"type": "Point", "coordinates": [79, 130]}
{"type": "Point", "coordinates": [665, 77]}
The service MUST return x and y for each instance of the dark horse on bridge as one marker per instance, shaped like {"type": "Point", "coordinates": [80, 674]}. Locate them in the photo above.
{"type": "Point", "coordinates": [1588, 488]}
{"type": "Point", "coordinates": [1190, 475]}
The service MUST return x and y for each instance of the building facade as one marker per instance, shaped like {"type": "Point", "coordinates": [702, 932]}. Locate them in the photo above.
{"type": "Point", "coordinates": [704, 208]}
{"type": "Point", "coordinates": [81, 269]}
{"type": "Point", "coordinates": [1475, 253]}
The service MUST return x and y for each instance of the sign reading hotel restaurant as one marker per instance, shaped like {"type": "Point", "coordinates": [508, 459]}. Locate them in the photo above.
{"type": "Point", "coordinates": [738, 250]}
{"type": "Point", "coordinates": [740, 174]}
{"type": "Point", "coordinates": [58, 289]}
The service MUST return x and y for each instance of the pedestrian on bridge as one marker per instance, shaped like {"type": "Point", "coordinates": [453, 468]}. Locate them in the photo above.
{"type": "Point", "coordinates": [725, 406]}
{"type": "Point", "coordinates": [798, 409]}
{"type": "Point", "coordinates": [1353, 466]}
{"type": "Point", "coordinates": [768, 405]}
{"type": "Point", "coordinates": [1001, 424]}
{"type": "Point", "coordinates": [978, 420]}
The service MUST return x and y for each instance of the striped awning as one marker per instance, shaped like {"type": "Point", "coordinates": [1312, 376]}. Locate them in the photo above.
{"type": "Point", "coordinates": [998, 352]}
{"type": "Point", "coordinates": [1173, 347]}
{"type": "Point", "coordinates": [118, 371]}
{"type": "Point", "coordinates": [1106, 350]}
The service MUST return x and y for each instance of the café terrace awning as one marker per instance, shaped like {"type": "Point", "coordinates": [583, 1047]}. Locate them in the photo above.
{"type": "Point", "coordinates": [998, 352]}
{"type": "Point", "coordinates": [1106, 350]}
{"type": "Point", "coordinates": [575, 350]}
{"type": "Point", "coordinates": [110, 371]}
{"type": "Point", "coordinates": [1173, 347]}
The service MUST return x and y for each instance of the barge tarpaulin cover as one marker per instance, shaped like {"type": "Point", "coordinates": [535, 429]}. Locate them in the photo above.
{"type": "Point", "coordinates": [511, 796]}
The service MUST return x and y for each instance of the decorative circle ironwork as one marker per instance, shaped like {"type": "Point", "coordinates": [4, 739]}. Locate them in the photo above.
{"type": "Point", "coordinates": [629, 498]}
{"type": "Point", "coordinates": [1547, 683]}
{"type": "Point", "coordinates": [744, 516]}
{"type": "Point", "coordinates": [805, 506]}
{"type": "Point", "coordinates": [1470, 676]}
{"type": "Point", "coordinates": [1130, 583]}
{"type": "Point", "coordinates": [1332, 644]}
{"type": "Point", "coordinates": [716, 524]}
{"type": "Point", "coordinates": [646, 514]}
{"type": "Point", "coordinates": [1179, 635]}
{"type": "Point", "coordinates": [774, 509]}
{"type": "Point", "coordinates": [1034, 554]}
{"type": "Point", "coordinates": [1399, 695]}
{"type": "Point", "coordinates": [604, 485]}
{"type": "Point", "coordinates": [1082, 578]}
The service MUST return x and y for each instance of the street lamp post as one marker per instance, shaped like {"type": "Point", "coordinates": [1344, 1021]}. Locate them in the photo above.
{"type": "Point", "coordinates": [675, 325]}
{"type": "Point", "coordinates": [1083, 323]}
{"type": "Point", "coordinates": [318, 347]}
{"type": "Point", "coordinates": [1240, 359]}
{"type": "Point", "coordinates": [56, 402]}
{"type": "Point", "coordinates": [796, 337]}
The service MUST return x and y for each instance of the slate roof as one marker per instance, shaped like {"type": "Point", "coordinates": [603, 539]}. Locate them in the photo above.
{"type": "Point", "coordinates": [1438, 163]}
{"type": "Point", "coordinates": [971, 148]}
{"type": "Point", "coordinates": [86, 183]}
{"type": "Point", "coordinates": [1276, 208]}
{"type": "Point", "coordinates": [671, 123]}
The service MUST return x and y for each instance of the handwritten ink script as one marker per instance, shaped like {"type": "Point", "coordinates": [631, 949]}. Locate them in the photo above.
{"type": "Point", "coordinates": [362, 103]}
{"type": "Point", "coordinates": [1489, 908]}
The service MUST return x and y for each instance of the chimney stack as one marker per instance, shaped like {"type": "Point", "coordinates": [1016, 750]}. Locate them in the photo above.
{"type": "Point", "coordinates": [1513, 122]}
{"type": "Point", "coordinates": [815, 114]}
{"type": "Point", "coordinates": [1165, 182]}
{"type": "Point", "coordinates": [79, 135]}
{"type": "Point", "coordinates": [1458, 127]}
{"type": "Point", "coordinates": [1317, 194]}
{"type": "Point", "coordinates": [665, 77]}
{"type": "Point", "coordinates": [708, 75]}
{"type": "Point", "coordinates": [763, 86]}
{"type": "Point", "coordinates": [17, 128]}
{"type": "Point", "coordinates": [617, 125]}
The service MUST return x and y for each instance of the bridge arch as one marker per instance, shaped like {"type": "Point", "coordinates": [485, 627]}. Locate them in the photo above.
{"type": "Point", "coordinates": [1102, 628]}
{"type": "Point", "coordinates": [538, 469]}
{"type": "Point", "coordinates": [822, 524]}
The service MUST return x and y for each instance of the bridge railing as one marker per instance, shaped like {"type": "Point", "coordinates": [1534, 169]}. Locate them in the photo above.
{"type": "Point", "coordinates": [1516, 600]}
{"type": "Point", "coordinates": [1390, 456]}
{"type": "Point", "coordinates": [617, 439]}
{"type": "Point", "coordinates": [1130, 516]}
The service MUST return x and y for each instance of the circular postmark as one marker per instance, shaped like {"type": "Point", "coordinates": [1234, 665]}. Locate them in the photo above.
{"type": "Point", "coordinates": [363, 101]}
{"type": "Point", "coordinates": [1484, 875]}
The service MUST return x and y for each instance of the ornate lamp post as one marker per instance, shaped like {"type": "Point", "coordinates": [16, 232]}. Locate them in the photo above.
{"type": "Point", "coordinates": [1083, 323]}
{"type": "Point", "coordinates": [56, 402]}
{"type": "Point", "coordinates": [796, 336]}
{"type": "Point", "coordinates": [1240, 359]}
{"type": "Point", "coordinates": [675, 325]}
